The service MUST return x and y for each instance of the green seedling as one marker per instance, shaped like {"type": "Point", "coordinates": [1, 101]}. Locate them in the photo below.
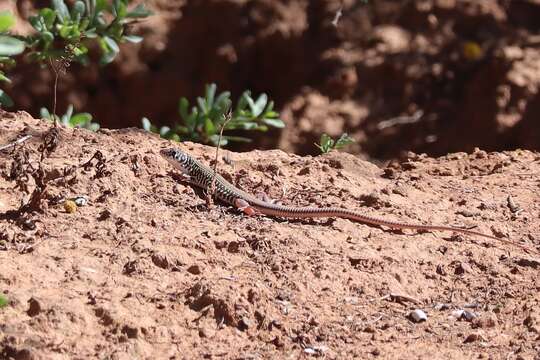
{"type": "Point", "coordinates": [328, 144]}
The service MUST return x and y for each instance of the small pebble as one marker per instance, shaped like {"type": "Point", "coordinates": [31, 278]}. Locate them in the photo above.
{"type": "Point", "coordinates": [441, 306]}
{"type": "Point", "coordinates": [418, 316]}
{"type": "Point", "coordinates": [469, 315]}
{"type": "Point", "coordinates": [80, 200]}
{"type": "Point", "coordinates": [474, 337]}
{"type": "Point", "coordinates": [194, 269]}
{"type": "Point", "coordinates": [70, 206]}
{"type": "Point", "coordinates": [464, 315]}
{"type": "Point", "coordinates": [457, 314]}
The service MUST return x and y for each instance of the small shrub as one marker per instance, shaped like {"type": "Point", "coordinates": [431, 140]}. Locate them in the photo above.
{"type": "Point", "coordinates": [203, 123]}
{"type": "Point", "coordinates": [61, 30]}
{"type": "Point", "coordinates": [64, 33]}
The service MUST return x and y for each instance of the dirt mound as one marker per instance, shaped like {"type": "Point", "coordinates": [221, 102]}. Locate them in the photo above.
{"type": "Point", "coordinates": [146, 270]}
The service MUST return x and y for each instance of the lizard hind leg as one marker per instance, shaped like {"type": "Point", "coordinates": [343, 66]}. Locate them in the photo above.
{"type": "Point", "coordinates": [243, 206]}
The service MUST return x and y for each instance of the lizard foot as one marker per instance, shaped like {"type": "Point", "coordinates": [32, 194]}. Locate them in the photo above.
{"type": "Point", "coordinates": [243, 206]}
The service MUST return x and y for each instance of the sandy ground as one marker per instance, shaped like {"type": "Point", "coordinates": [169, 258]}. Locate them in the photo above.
{"type": "Point", "coordinates": [146, 270]}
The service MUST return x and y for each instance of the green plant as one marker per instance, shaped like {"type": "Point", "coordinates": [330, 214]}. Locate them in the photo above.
{"type": "Point", "coordinates": [3, 301]}
{"type": "Point", "coordinates": [81, 120]}
{"type": "Point", "coordinates": [9, 47]}
{"type": "Point", "coordinates": [204, 122]}
{"type": "Point", "coordinates": [65, 33]}
{"type": "Point", "coordinates": [328, 144]}
{"type": "Point", "coordinates": [61, 30]}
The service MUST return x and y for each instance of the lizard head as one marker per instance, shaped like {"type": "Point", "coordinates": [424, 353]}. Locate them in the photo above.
{"type": "Point", "coordinates": [177, 158]}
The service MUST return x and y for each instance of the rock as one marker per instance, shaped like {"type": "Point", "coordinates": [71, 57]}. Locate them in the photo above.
{"type": "Point", "coordinates": [34, 308]}
{"type": "Point", "coordinates": [160, 261]}
{"type": "Point", "coordinates": [194, 269]}
{"type": "Point", "coordinates": [473, 337]}
{"type": "Point", "coordinates": [488, 320]}
{"type": "Point", "coordinates": [417, 316]}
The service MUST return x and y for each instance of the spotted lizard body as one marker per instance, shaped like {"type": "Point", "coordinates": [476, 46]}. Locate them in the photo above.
{"type": "Point", "coordinates": [204, 177]}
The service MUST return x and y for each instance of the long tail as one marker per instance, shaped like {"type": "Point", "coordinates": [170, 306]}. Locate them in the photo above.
{"type": "Point", "coordinates": [311, 212]}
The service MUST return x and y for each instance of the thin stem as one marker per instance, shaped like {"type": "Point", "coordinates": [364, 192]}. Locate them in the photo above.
{"type": "Point", "coordinates": [228, 118]}
{"type": "Point", "coordinates": [51, 61]}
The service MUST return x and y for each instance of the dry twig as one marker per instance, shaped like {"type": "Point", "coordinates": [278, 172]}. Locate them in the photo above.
{"type": "Point", "coordinates": [212, 189]}
{"type": "Point", "coordinates": [15, 143]}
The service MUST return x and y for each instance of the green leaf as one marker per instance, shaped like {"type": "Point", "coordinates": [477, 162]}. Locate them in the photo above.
{"type": "Point", "coordinates": [61, 10]}
{"type": "Point", "coordinates": [10, 46]}
{"type": "Point", "coordinates": [270, 114]}
{"type": "Point", "coordinates": [3, 301]}
{"type": "Point", "coordinates": [223, 98]}
{"type": "Point", "coordinates": [91, 33]}
{"type": "Point", "coordinates": [36, 22]}
{"type": "Point", "coordinates": [111, 44]}
{"type": "Point", "coordinates": [69, 112]}
{"type": "Point", "coordinates": [139, 12]}
{"type": "Point", "coordinates": [164, 131]}
{"type": "Point", "coordinates": [119, 9]}
{"type": "Point", "coordinates": [209, 127]}
{"type": "Point", "coordinates": [183, 106]}
{"type": "Point", "coordinates": [214, 139]}
{"type": "Point", "coordinates": [243, 101]}
{"type": "Point", "coordinates": [92, 126]}
{"type": "Point", "coordinates": [80, 119]}
{"type": "Point", "coordinates": [343, 140]}
{"type": "Point", "coordinates": [48, 17]}
{"type": "Point", "coordinates": [134, 39]}
{"type": "Point", "coordinates": [194, 118]}
{"type": "Point", "coordinates": [69, 32]}
{"type": "Point", "coordinates": [202, 105]}
{"type": "Point", "coordinates": [110, 50]}
{"type": "Point", "coordinates": [4, 78]}
{"type": "Point", "coordinates": [7, 20]}
{"type": "Point", "coordinates": [244, 125]}
{"type": "Point", "coordinates": [210, 93]}
{"type": "Point", "coordinates": [83, 24]}
{"type": "Point", "coordinates": [146, 124]}
{"type": "Point", "coordinates": [277, 123]}
{"type": "Point", "coordinates": [78, 11]}
{"type": "Point", "coordinates": [326, 143]}
{"type": "Point", "coordinates": [5, 100]}
{"type": "Point", "coordinates": [237, 138]}
{"type": "Point", "coordinates": [44, 113]}
{"type": "Point", "coordinates": [47, 37]}
{"type": "Point", "coordinates": [258, 107]}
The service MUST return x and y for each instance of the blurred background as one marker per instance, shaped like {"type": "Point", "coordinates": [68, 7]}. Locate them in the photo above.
{"type": "Point", "coordinates": [433, 76]}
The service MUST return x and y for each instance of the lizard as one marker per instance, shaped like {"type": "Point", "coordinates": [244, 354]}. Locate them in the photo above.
{"type": "Point", "coordinates": [200, 175]}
